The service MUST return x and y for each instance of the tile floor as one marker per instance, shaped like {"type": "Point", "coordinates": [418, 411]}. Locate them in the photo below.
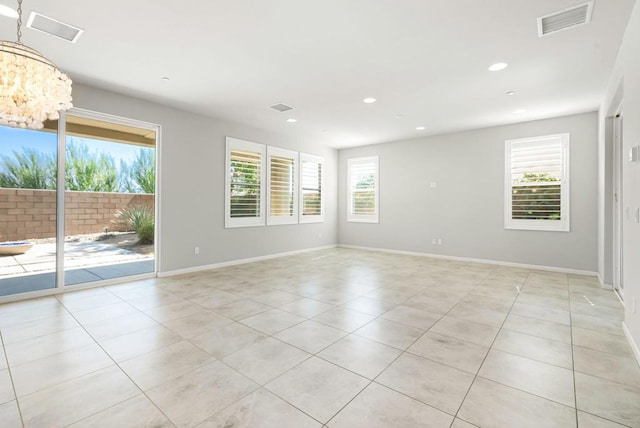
{"type": "Point", "coordinates": [336, 338]}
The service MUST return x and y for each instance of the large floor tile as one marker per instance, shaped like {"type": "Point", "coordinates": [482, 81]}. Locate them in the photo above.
{"type": "Point", "coordinates": [260, 408]}
{"type": "Point", "coordinates": [241, 309]}
{"type": "Point", "coordinates": [491, 404]}
{"type": "Point", "coordinates": [603, 325]}
{"type": "Point", "coordinates": [539, 328]}
{"type": "Point", "coordinates": [6, 387]}
{"type": "Point", "coordinates": [9, 415]}
{"type": "Point", "coordinates": [450, 351]}
{"type": "Point", "coordinates": [207, 390]}
{"type": "Point", "coordinates": [432, 383]}
{"type": "Point", "coordinates": [196, 324]}
{"type": "Point", "coordinates": [369, 306]}
{"type": "Point", "coordinates": [138, 411]}
{"type": "Point", "coordinates": [306, 308]}
{"type": "Point", "coordinates": [272, 321]}
{"type": "Point", "coordinates": [104, 313]}
{"type": "Point", "coordinates": [41, 327]}
{"type": "Point", "coordinates": [310, 336]}
{"type": "Point", "coordinates": [266, 359]}
{"type": "Point", "coordinates": [139, 342]}
{"type": "Point", "coordinates": [599, 341]}
{"type": "Point", "coordinates": [344, 319]}
{"type": "Point", "coordinates": [412, 316]}
{"type": "Point", "coordinates": [480, 334]}
{"type": "Point", "coordinates": [609, 400]}
{"type": "Point", "coordinates": [44, 346]}
{"type": "Point", "coordinates": [621, 369]}
{"type": "Point", "coordinates": [318, 388]}
{"type": "Point", "coordinates": [72, 401]}
{"type": "Point", "coordinates": [227, 339]}
{"type": "Point", "coordinates": [46, 372]}
{"type": "Point", "coordinates": [390, 333]}
{"type": "Point", "coordinates": [360, 355]}
{"type": "Point", "coordinates": [536, 348]}
{"type": "Point", "coordinates": [542, 313]}
{"type": "Point", "coordinates": [380, 407]}
{"type": "Point", "coordinates": [172, 311]}
{"type": "Point", "coordinates": [159, 366]}
{"type": "Point", "coordinates": [585, 420]}
{"type": "Point", "coordinates": [119, 326]}
{"type": "Point", "coordinates": [547, 381]}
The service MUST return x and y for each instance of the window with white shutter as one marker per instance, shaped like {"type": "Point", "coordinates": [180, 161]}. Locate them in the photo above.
{"type": "Point", "coordinates": [244, 200]}
{"type": "Point", "coordinates": [282, 182]}
{"type": "Point", "coordinates": [311, 185]}
{"type": "Point", "coordinates": [537, 183]}
{"type": "Point", "coordinates": [362, 177]}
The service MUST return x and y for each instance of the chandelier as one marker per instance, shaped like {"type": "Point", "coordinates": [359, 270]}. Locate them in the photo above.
{"type": "Point", "coordinates": [32, 89]}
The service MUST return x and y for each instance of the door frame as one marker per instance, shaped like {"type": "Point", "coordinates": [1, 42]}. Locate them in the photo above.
{"type": "Point", "coordinates": [618, 210]}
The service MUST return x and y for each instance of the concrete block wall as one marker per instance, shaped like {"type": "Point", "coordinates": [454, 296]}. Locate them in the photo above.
{"type": "Point", "coordinates": [31, 214]}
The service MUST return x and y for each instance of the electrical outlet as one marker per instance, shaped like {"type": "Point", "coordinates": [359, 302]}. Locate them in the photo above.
{"type": "Point", "coordinates": [433, 185]}
{"type": "Point", "coordinates": [434, 241]}
{"type": "Point", "coordinates": [439, 241]}
{"type": "Point", "coordinates": [196, 250]}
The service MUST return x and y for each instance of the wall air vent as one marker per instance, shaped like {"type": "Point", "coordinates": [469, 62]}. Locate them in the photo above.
{"type": "Point", "coordinates": [281, 107]}
{"type": "Point", "coordinates": [54, 27]}
{"type": "Point", "coordinates": [567, 18]}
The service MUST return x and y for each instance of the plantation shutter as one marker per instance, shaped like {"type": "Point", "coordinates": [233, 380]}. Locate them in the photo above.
{"type": "Point", "coordinates": [244, 196]}
{"type": "Point", "coordinates": [538, 179]}
{"type": "Point", "coordinates": [311, 188]}
{"type": "Point", "coordinates": [282, 186]}
{"type": "Point", "coordinates": [245, 184]}
{"type": "Point", "coordinates": [363, 183]}
{"type": "Point", "coordinates": [311, 174]}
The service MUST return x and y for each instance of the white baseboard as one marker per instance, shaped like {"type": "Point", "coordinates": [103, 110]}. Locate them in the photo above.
{"type": "Point", "coordinates": [632, 343]}
{"type": "Point", "coordinates": [240, 261]}
{"type": "Point", "coordinates": [473, 260]}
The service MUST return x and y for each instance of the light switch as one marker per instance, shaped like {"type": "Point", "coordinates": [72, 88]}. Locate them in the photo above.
{"type": "Point", "coordinates": [433, 184]}
{"type": "Point", "coordinates": [633, 153]}
{"type": "Point", "coordinates": [637, 215]}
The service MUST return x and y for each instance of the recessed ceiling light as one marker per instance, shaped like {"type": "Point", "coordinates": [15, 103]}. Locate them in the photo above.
{"type": "Point", "coordinates": [292, 120]}
{"type": "Point", "coordinates": [399, 116]}
{"type": "Point", "coordinates": [8, 11]}
{"type": "Point", "coordinates": [420, 128]}
{"type": "Point", "coordinates": [519, 111]}
{"type": "Point", "coordinates": [369, 100]}
{"type": "Point", "coordinates": [511, 93]}
{"type": "Point", "coordinates": [166, 79]}
{"type": "Point", "coordinates": [498, 66]}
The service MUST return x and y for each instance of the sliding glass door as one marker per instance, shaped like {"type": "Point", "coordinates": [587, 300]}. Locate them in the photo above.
{"type": "Point", "coordinates": [79, 197]}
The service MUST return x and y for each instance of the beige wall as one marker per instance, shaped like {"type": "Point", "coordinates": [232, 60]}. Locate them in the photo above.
{"type": "Point", "coordinates": [31, 214]}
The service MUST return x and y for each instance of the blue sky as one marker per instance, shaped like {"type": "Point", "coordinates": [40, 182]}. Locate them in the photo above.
{"type": "Point", "coordinates": [14, 139]}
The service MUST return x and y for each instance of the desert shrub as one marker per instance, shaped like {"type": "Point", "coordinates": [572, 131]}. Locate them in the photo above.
{"type": "Point", "coordinates": [139, 219]}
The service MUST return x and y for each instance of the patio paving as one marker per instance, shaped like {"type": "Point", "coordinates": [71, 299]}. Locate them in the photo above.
{"type": "Point", "coordinates": [84, 262]}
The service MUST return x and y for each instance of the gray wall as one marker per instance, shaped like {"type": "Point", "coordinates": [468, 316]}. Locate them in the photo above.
{"type": "Point", "coordinates": [192, 154]}
{"type": "Point", "coordinates": [466, 208]}
{"type": "Point", "coordinates": [624, 84]}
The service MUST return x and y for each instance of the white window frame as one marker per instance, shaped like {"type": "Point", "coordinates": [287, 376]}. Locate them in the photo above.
{"type": "Point", "coordinates": [562, 225]}
{"type": "Point", "coordinates": [360, 218]}
{"type": "Point", "coordinates": [311, 218]}
{"type": "Point", "coordinates": [289, 154]}
{"type": "Point", "coordinates": [231, 222]}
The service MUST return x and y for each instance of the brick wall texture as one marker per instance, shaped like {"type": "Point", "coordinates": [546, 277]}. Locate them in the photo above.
{"type": "Point", "coordinates": [31, 214]}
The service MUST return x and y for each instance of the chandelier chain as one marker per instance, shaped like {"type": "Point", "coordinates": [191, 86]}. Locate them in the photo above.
{"type": "Point", "coordinates": [19, 21]}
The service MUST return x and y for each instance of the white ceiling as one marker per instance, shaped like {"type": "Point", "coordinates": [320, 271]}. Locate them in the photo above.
{"type": "Point", "coordinates": [424, 59]}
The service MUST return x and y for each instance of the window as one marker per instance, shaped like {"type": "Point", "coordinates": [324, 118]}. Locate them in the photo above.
{"type": "Point", "coordinates": [244, 204]}
{"type": "Point", "coordinates": [311, 184]}
{"type": "Point", "coordinates": [282, 181]}
{"type": "Point", "coordinates": [537, 183]}
{"type": "Point", "coordinates": [363, 189]}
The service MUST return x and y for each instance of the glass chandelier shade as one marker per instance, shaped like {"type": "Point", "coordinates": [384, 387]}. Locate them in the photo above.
{"type": "Point", "coordinates": [32, 89]}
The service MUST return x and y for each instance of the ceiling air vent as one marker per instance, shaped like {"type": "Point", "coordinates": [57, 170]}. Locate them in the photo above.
{"type": "Point", "coordinates": [567, 18]}
{"type": "Point", "coordinates": [54, 27]}
{"type": "Point", "coordinates": [281, 107]}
